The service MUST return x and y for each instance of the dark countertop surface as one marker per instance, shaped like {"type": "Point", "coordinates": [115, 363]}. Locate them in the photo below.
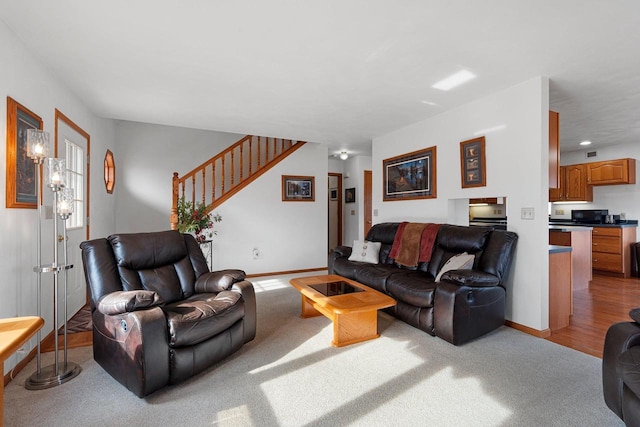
{"type": "Point", "coordinates": [567, 228]}
{"type": "Point", "coordinates": [628, 223]}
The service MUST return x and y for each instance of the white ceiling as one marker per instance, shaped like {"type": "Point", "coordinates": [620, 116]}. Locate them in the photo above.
{"type": "Point", "coordinates": [339, 72]}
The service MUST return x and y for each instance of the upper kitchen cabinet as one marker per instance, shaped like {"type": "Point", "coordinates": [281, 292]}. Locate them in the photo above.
{"type": "Point", "coordinates": [609, 172]}
{"type": "Point", "coordinates": [573, 185]}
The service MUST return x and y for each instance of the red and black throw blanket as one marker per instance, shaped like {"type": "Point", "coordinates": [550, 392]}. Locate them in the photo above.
{"type": "Point", "coordinates": [413, 243]}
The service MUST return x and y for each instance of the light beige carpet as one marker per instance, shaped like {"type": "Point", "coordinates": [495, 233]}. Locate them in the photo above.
{"type": "Point", "coordinates": [290, 376]}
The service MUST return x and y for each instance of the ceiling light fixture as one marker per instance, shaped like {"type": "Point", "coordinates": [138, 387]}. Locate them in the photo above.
{"type": "Point", "coordinates": [344, 155]}
{"type": "Point", "coordinates": [585, 143]}
{"type": "Point", "coordinates": [454, 80]}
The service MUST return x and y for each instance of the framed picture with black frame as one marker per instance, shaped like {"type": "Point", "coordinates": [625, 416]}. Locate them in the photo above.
{"type": "Point", "coordinates": [350, 195]}
{"type": "Point", "coordinates": [473, 169]}
{"type": "Point", "coordinates": [410, 176]}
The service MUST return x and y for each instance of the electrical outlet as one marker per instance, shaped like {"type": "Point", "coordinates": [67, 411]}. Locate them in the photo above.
{"type": "Point", "coordinates": [559, 211]}
{"type": "Point", "coordinates": [256, 253]}
{"type": "Point", "coordinates": [526, 213]}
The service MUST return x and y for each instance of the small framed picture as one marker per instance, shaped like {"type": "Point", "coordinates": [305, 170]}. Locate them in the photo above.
{"type": "Point", "coordinates": [298, 188]}
{"type": "Point", "coordinates": [472, 163]}
{"type": "Point", "coordinates": [333, 194]}
{"type": "Point", "coordinates": [350, 195]}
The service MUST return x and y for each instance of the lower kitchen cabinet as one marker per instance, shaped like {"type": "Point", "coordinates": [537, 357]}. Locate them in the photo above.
{"type": "Point", "coordinates": [611, 249]}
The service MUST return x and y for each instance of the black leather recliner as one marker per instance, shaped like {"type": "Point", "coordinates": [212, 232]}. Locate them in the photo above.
{"type": "Point", "coordinates": [621, 369]}
{"type": "Point", "coordinates": [159, 315]}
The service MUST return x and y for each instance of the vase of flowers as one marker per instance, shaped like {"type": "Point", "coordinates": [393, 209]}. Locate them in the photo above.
{"type": "Point", "coordinates": [196, 219]}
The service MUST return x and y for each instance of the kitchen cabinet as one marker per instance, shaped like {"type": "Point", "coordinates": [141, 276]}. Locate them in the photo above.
{"type": "Point", "coordinates": [611, 249]}
{"type": "Point", "coordinates": [573, 185]}
{"type": "Point", "coordinates": [484, 200]}
{"type": "Point", "coordinates": [579, 239]}
{"type": "Point", "coordinates": [560, 287]}
{"type": "Point", "coordinates": [610, 172]}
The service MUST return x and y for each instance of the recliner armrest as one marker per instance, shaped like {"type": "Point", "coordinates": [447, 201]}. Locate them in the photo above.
{"type": "Point", "coordinates": [217, 281]}
{"type": "Point", "coordinates": [250, 317]}
{"type": "Point", "coordinates": [471, 278]}
{"type": "Point", "coordinates": [127, 301]}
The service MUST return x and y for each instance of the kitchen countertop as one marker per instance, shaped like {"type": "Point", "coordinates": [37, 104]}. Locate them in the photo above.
{"type": "Point", "coordinates": [629, 223]}
{"type": "Point", "coordinates": [555, 249]}
{"type": "Point", "coordinates": [567, 228]}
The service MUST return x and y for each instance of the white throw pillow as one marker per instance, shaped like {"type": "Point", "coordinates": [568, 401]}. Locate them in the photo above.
{"type": "Point", "coordinates": [365, 251]}
{"type": "Point", "coordinates": [462, 261]}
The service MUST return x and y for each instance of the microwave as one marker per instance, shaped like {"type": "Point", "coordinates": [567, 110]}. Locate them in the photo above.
{"type": "Point", "coordinates": [589, 216]}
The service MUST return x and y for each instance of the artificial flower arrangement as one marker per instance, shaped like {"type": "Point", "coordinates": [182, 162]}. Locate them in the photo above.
{"type": "Point", "coordinates": [197, 219]}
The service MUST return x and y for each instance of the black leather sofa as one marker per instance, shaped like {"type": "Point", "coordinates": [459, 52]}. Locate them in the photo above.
{"type": "Point", "coordinates": [159, 315]}
{"type": "Point", "coordinates": [464, 305]}
{"type": "Point", "coordinates": [621, 369]}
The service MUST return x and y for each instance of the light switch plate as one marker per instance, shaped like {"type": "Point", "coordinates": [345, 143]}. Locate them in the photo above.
{"type": "Point", "coordinates": [526, 213]}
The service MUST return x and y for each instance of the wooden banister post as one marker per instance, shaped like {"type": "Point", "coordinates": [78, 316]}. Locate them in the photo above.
{"type": "Point", "coordinates": [174, 201]}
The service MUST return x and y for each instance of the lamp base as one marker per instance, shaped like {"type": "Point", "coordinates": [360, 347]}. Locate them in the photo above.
{"type": "Point", "coordinates": [50, 377]}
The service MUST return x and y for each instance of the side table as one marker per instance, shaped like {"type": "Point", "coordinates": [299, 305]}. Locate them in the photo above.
{"type": "Point", "coordinates": [14, 332]}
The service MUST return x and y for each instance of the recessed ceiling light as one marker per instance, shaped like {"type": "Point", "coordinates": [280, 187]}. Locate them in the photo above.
{"type": "Point", "coordinates": [454, 80]}
{"type": "Point", "coordinates": [585, 143]}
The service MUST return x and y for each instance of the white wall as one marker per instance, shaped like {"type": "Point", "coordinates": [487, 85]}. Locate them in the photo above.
{"type": "Point", "coordinates": [148, 156]}
{"type": "Point", "coordinates": [289, 235]}
{"type": "Point", "coordinates": [617, 198]}
{"type": "Point", "coordinates": [517, 168]}
{"type": "Point", "coordinates": [353, 213]}
{"type": "Point", "coordinates": [24, 79]}
{"type": "Point", "coordinates": [255, 218]}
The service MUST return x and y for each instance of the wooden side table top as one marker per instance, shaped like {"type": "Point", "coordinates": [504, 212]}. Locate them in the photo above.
{"type": "Point", "coordinates": [15, 331]}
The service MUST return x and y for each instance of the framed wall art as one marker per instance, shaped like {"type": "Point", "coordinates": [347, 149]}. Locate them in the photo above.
{"type": "Point", "coordinates": [350, 195]}
{"type": "Point", "coordinates": [410, 176]}
{"type": "Point", "coordinates": [472, 163]}
{"type": "Point", "coordinates": [298, 188]}
{"type": "Point", "coordinates": [21, 191]}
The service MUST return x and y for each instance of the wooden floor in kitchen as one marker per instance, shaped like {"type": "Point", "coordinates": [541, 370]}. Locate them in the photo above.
{"type": "Point", "coordinates": [606, 301]}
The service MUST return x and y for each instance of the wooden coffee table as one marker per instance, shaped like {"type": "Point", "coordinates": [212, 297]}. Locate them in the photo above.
{"type": "Point", "coordinates": [354, 314]}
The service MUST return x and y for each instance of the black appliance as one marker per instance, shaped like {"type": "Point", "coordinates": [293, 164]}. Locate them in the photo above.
{"type": "Point", "coordinates": [495, 223]}
{"type": "Point", "coordinates": [589, 216]}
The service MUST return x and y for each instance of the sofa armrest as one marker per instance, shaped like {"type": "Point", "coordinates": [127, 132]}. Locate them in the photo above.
{"type": "Point", "coordinates": [462, 313]}
{"type": "Point", "coordinates": [217, 281]}
{"type": "Point", "coordinates": [343, 251]}
{"type": "Point", "coordinates": [133, 348]}
{"type": "Point", "coordinates": [471, 278]}
{"type": "Point", "coordinates": [127, 301]}
{"type": "Point", "coordinates": [338, 252]}
{"type": "Point", "coordinates": [250, 317]}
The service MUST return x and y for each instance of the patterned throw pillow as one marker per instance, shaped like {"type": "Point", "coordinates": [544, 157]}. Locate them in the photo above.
{"type": "Point", "coordinates": [365, 251]}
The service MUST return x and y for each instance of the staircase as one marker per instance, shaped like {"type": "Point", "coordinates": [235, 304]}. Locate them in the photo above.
{"type": "Point", "coordinates": [222, 176]}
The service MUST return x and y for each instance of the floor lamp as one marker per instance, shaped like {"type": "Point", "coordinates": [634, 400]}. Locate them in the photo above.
{"type": "Point", "coordinates": [37, 149]}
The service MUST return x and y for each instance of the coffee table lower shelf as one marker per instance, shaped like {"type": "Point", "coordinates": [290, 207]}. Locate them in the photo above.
{"type": "Point", "coordinates": [354, 315]}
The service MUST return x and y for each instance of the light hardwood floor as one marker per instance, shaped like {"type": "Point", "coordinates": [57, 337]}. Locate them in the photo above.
{"type": "Point", "coordinates": [606, 301]}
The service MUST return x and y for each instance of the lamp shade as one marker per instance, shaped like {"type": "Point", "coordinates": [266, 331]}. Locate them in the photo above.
{"type": "Point", "coordinates": [37, 144]}
{"type": "Point", "coordinates": [65, 202]}
{"type": "Point", "coordinates": [56, 173]}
